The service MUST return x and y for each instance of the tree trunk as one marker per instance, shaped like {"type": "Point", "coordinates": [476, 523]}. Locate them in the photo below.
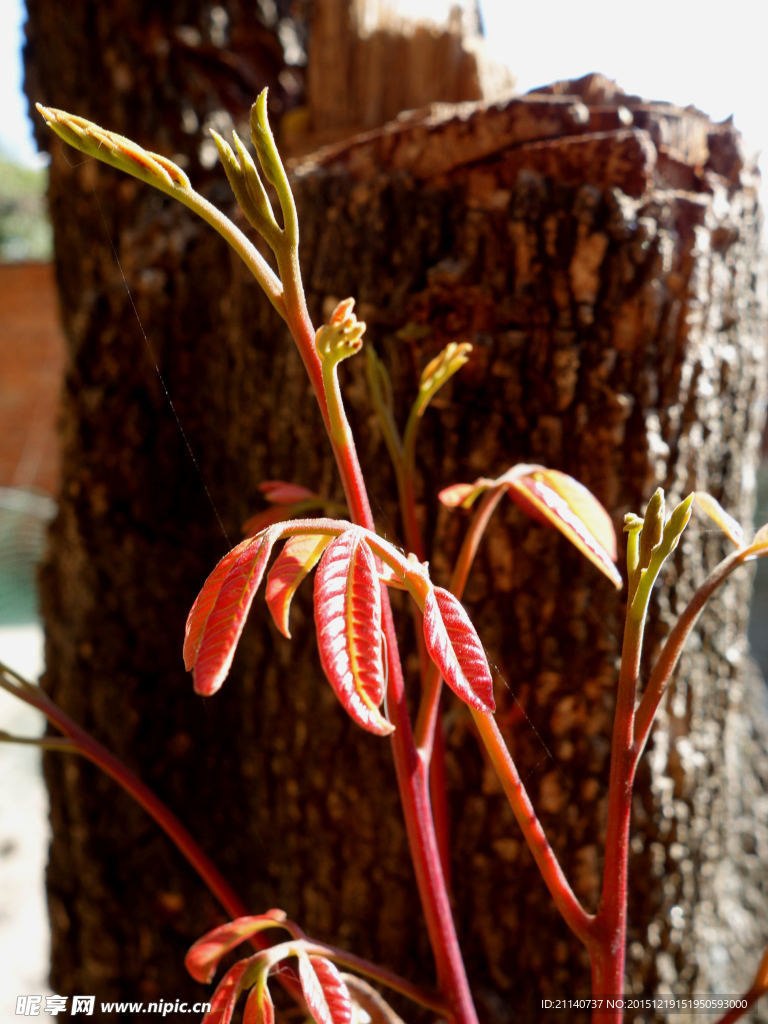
{"type": "Point", "coordinates": [602, 259]}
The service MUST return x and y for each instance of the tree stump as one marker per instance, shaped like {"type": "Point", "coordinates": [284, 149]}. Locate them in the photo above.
{"type": "Point", "coordinates": [602, 256]}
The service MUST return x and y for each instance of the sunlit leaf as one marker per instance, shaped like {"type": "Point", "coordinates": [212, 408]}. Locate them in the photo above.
{"type": "Point", "coordinates": [520, 495]}
{"type": "Point", "coordinates": [324, 989]}
{"type": "Point", "coordinates": [717, 513]}
{"type": "Point", "coordinates": [203, 957]}
{"type": "Point", "coordinates": [297, 559]}
{"type": "Point", "coordinates": [463, 494]}
{"type": "Point", "coordinates": [259, 1008]}
{"type": "Point", "coordinates": [348, 622]}
{"type": "Point", "coordinates": [279, 492]}
{"type": "Point", "coordinates": [759, 546]}
{"type": "Point", "coordinates": [585, 506]}
{"type": "Point", "coordinates": [227, 616]}
{"type": "Point", "coordinates": [226, 995]}
{"type": "Point", "coordinates": [563, 509]}
{"type": "Point", "coordinates": [455, 648]}
{"type": "Point", "coordinates": [201, 609]}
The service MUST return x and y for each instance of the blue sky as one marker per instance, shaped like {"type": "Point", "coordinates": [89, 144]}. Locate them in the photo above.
{"type": "Point", "coordinates": [673, 50]}
{"type": "Point", "coordinates": [15, 130]}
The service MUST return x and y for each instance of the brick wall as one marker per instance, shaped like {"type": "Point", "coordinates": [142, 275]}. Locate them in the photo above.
{"type": "Point", "coordinates": [31, 368]}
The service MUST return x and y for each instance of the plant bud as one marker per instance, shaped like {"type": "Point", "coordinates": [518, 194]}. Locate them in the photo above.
{"type": "Point", "coordinates": [677, 523]}
{"type": "Point", "coordinates": [115, 150]}
{"type": "Point", "coordinates": [343, 337]}
{"type": "Point", "coordinates": [253, 182]}
{"type": "Point", "coordinates": [264, 140]}
{"type": "Point", "coordinates": [632, 522]}
{"type": "Point", "coordinates": [633, 525]}
{"type": "Point", "coordinates": [440, 370]}
{"type": "Point", "coordinates": [653, 528]}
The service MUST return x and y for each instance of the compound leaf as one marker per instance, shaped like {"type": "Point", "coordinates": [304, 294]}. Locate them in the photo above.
{"type": "Point", "coordinates": [259, 1008]}
{"type": "Point", "coordinates": [226, 995]}
{"type": "Point", "coordinates": [325, 991]}
{"type": "Point", "coordinates": [455, 648]}
{"type": "Point", "coordinates": [585, 506]}
{"type": "Point", "coordinates": [228, 613]}
{"type": "Point", "coordinates": [348, 622]}
{"type": "Point", "coordinates": [203, 957]}
{"type": "Point", "coordinates": [562, 502]}
{"type": "Point", "coordinates": [297, 559]}
{"type": "Point", "coordinates": [201, 609]}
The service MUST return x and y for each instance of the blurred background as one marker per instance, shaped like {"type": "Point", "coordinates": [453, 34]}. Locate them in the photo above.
{"type": "Point", "coordinates": [713, 61]}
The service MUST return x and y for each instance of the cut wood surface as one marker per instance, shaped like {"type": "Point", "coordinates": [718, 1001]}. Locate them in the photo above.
{"type": "Point", "coordinates": [367, 63]}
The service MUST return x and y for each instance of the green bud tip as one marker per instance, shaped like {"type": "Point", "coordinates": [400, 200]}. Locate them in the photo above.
{"type": "Point", "coordinates": [678, 521]}
{"type": "Point", "coordinates": [653, 528]}
{"type": "Point", "coordinates": [632, 522]}
{"type": "Point", "coordinates": [263, 140]}
{"type": "Point", "coordinates": [444, 365]}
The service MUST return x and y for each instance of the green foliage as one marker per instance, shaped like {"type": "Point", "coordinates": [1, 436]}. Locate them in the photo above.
{"type": "Point", "coordinates": [25, 231]}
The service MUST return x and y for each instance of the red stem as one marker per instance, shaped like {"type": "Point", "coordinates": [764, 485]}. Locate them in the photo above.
{"type": "Point", "coordinates": [733, 1015]}
{"type": "Point", "coordinates": [578, 920]}
{"type": "Point", "coordinates": [610, 929]}
{"type": "Point", "coordinates": [132, 784]}
{"type": "Point", "coordinates": [89, 748]}
{"type": "Point", "coordinates": [433, 755]}
{"type": "Point", "coordinates": [757, 989]}
{"type": "Point", "coordinates": [673, 648]}
{"type": "Point", "coordinates": [412, 773]}
{"type": "Point", "coordinates": [631, 731]}
{"type": "Point", "coordinates": [438, 795]}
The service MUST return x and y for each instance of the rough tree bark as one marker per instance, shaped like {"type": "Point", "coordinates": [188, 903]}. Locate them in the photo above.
{"type": "Point", "coordinates": [602, 257]}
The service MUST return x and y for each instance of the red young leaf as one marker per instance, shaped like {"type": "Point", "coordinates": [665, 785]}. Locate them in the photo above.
{"type": "Point", "coordinates": [259, 1011]}
{"type": "Point", "coordinates": [228, 614]}
{"type": "Point", "coordinates": [275, 514]}
{"type": "Point", "coordinates": [226, 995]}
{"type": "Point", "coordinates": [464, 494]}
{"type": "Point", "coordinates": [297, 559]}
{"type": "Point", "coordinates": [324, 989]}
{"type": "Point", "coordinates": [519, 493]}
{"type": "Point", "coordinates": [454, 495]}
{"type": "Point", "coordinates": [585, 506]}
{"type": "Point", "coordinates": [348, 622]}
{"type": "Point", "coordinates": [201, 609]}
{"type": "Point", "coordinates": [279, 492]}
{"type": "Point", "coordinates": [203, 957]}
{"type": "Point", "coordinates": [455, 648]}
{"type": "Point", "coordinates": [564, 511]}
{"type": "Point", "coordinates": [761, 537]}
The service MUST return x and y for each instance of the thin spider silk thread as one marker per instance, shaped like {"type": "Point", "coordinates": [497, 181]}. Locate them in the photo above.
{"type": "Point", "coordinates": [160, 378]}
